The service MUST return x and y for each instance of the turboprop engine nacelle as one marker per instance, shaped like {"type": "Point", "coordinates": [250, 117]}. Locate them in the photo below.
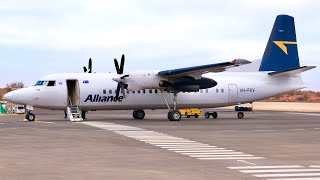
{"type": "Point", "coordinates": [143, 80]}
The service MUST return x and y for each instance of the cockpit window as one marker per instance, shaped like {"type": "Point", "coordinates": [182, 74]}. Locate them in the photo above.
{"type": "Point", "coordinates": [51, 83]}
{"type": "Point", "coordinates": [39, 83]}
{"type": "Point", "coordinates": [45, 83]}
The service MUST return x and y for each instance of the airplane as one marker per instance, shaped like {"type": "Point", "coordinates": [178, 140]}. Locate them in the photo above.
{"type": "Point", "coordinates": [204, 86]}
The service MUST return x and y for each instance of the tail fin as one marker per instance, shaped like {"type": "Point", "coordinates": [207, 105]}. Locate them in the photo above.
{"type": "Point", "coordinates": [281, 52]}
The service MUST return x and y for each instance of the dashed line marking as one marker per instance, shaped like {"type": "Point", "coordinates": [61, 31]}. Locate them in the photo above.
{"type": "Point", "coordinates": [261, 130]}
{"type": "Point", "coordinates": [229, 158]}
{"type": "Point", "coordinates": [310, 178]}
{"type": "Point", "coordinates": [279, 170]}
{"type": "Point", "coordinates": [179, 145]}
{"type": "Point", "coordinates": [284, 172]}
{"type": "Point", "coordinates": [296, 129]}
{"type": "Point", "coordinates": [209, 153]}
{"type": "Point", "coordinates": [203, 151]}
{"type": "Point", "coordinates": [247, 162]}
{"type": "Point", "coordinates": [288, 175]}
{"type": "Point", "coordinates": [309, 114]}
{"type": "Point", "coordinates": [264, 167]}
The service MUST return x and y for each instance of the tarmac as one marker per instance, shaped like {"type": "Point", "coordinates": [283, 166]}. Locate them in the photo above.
{"type": "Point", "coordinates": [112, 145]}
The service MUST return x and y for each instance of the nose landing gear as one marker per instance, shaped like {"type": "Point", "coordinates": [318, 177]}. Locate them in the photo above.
{"type": "Point", "coordinates": [30, 116]}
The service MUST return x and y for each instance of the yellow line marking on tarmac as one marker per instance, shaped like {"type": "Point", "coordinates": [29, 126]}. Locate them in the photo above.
{"type": "Point", "coordinates": [37, 121]}
{"type": "Point", "coordinates": [47, 122]}
{"type": "Point", "coordinates": [11, 114]}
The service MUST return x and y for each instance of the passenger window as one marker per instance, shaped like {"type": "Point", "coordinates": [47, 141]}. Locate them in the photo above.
{"type": "Point", "coordinates": [51, 83]}
{"type": "Point", "coordinates": [104, 91]}
{"type": "Point", "coordinates": [217, 90]}
{"type": "Point", "coordinates": [144, 91]}
{"type": "Point", "coordinates": [133, 92]}
{"type": "Point", "coordinates": [156, 91]}
{"type": "Point", "coordinates": [110, 91]}
{"type": "Point", "coordinates": [201, 91]}
{"type": "Point", "coordinates": [138, 92]}
{"type": "Point", "coordinates": [128, 91]}
{"type": "Point", "coordinates": [207, 90]}
{"type": "Point", "coordinates": [222, 90]}
{"type": "Point", "coordinates": [150, 91]}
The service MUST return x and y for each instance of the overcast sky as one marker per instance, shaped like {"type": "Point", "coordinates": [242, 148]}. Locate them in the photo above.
{"type": "Point", "coordinates": [39, 37]}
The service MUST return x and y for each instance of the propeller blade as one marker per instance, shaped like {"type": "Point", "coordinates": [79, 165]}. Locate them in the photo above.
{"type": "Point", "coordinates": [90, 66]}
{"type": "Point", "coordinates": [122, 77]}
{"type": "Point", "coordinates": [116, 64]}
{"type": "Point", "coordinates": [118, 90]}
{"type": "Point", "coordinates": [85, 69]}
{"type": "Point", "coordinates": [122, 90]}
{"type": "Point", "coordinates": [122, 63]}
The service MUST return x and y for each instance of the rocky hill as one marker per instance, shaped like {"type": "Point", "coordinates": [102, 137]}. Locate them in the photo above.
{"type": "Point", "coordinates": [297, 96]}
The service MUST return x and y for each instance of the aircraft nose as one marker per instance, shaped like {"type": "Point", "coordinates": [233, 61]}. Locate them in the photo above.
{"type": "Point", "coordinates": [20, 96]}
{"type": "Point", "coordinates": [9, 96]}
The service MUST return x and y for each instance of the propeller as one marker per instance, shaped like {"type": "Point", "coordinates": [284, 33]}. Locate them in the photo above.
{"type": "Point", "coordinates": [120, 80]}
{"type": "Point", "coordinates": [89, 69]}
{"type": "Point", "coordinates": [116, 64]}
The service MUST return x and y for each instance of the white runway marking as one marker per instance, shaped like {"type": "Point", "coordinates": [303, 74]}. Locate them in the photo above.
{"type": "Point", "coordinates": [221, 155]}
{"type": "Point", "coordinates": [285, 172]}
{"type": "Point", "coordinates": [213, 153]}
{"type": "Point", "coordinates": [296, 129]}
{"type": "Point", "coordinates": [310, 178]}
{"type": "Point", "coordinates": [288, 175]}
{"type": "Point", "coordinates": [234, 158]}
{"type": "Point", "coordinates": [309, 114]}
{"type": "Point", "coordinates": [203, 151]}
{"type": "Point", "coordinates": [179, 145]}
{"type": "Point", "coordinates": [265, 167]}
{"type": "Point", "coordinates": [280, 170]}
{"type": "Point", "coordinates": [247, 162]}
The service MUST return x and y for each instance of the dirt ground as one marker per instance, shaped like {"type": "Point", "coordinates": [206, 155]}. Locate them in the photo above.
{"type": "Point", "coordinates": [283, 106]}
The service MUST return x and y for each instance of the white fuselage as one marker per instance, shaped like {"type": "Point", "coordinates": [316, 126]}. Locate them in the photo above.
{"type": "Point", "coordinates": [97, 92]}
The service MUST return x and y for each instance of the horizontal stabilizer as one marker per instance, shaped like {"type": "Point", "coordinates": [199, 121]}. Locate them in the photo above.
{"type": "Point", "coordinates": [291, 72]}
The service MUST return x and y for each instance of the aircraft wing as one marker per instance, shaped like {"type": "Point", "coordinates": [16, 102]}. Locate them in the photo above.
{"type": "Point", "coordinates": [197, 71]}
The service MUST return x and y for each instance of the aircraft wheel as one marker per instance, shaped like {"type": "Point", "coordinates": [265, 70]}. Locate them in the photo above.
{"type": "Point", "coordinates": [240, 115]}
{"type": "Point", "coordinates": [196, 116]}
{"type": "Point", "coordinates": [215, 115]}
{"type": "Point", "coordinates": [174, 115]}
{"type": "Point", "coordinates": [30, 117]}
{"type": "Point", "coordinates": [138, 114]}
{"type": "Point", "coordinates": [134, 114]}
{"type": "Point", "coordinates": [206, 115]}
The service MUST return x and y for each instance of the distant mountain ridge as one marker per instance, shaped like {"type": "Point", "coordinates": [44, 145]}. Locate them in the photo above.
{"type": "Point", "coordinates": [296, 96]}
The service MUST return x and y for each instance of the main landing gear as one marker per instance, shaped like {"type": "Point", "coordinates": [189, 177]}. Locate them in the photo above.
{"type": "Point", "coordinates": [173, 114]}
{"type": "Point", "coordinates": [138, 114]}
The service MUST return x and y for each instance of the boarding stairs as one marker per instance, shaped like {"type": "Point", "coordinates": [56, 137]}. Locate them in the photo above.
{"type": "Point", "coordinates": [74, 113]}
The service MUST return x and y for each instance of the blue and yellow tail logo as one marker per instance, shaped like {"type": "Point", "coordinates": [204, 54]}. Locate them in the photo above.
{"type": "Point", "coordinates": [281, 53]}
{"type": "Point", "coordinates": [282, 45]}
